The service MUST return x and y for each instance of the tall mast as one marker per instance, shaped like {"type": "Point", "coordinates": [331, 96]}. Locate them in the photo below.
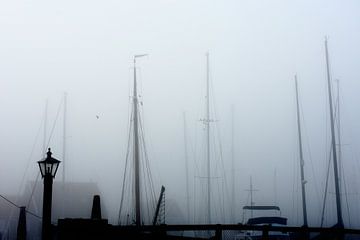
{"type": "Point", "coordinates": [136, 148]}
{"type": "Point", "coordinates": [186, 170]}
{"type": "Point", "coordinates": [302, 163]}
{"type": "Point", "coordinates": [339, 133]}
{"type": "Point", "coordinates": [136, 151]}
{"type": "Point", "coordinates": [251, 196]}
{"type": "Point", "coordinates": [336, 175]}
{"type": "Point", "coordinates": [64, 138]}
{"type": "Point", "coordinates": [233, 208]}
{"type": "Point", "coordinates": [207, 122]}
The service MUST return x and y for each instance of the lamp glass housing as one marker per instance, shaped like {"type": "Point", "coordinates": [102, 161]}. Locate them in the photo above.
{"type": "Point", "coordinates": [49, 165]}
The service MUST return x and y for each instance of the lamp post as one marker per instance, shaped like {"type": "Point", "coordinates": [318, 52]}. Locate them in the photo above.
{"type": "Point", "coordinates": [48, 168]}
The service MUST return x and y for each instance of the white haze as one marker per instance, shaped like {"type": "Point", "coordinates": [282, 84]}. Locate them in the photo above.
{"type": "Point", "coordinates": [85, 48]}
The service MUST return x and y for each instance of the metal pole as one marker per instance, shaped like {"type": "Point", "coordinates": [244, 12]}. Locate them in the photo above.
{"type": "Point", "coordinates": [64, 138]}
{"type": "Point", "coordinates": [251, 197]}
{"type": "Point", "coordinates": [47, 199]}
{"type": "Point", "coordinates": [336, 175]}
{"type": "Point", "coordinates": [207, 121]}
{"type": "Point", "coordinates": [136, 152]}
{"type": "Point", "coordinates": [339, 133]}
{"type": "Point", "coordinates": [186, 171]}
{"type": "Point", "coordinates": [302, 163]}
{"type": "Point", "coordinates": [233, 208]}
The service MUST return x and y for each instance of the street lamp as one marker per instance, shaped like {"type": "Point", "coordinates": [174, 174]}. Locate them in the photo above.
{"type": "Point", "coordinates": [48, 168]}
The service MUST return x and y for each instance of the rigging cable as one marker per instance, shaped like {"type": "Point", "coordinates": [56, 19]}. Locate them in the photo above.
{"type": "Point", "coordinates": [326, 188]}
{"type": "Point", "coordinates": [15, 205]}
{"type": "Point", "coordinates": [50, 137]}
{"type": "Point", "coordinates": [346, 194]}
{"type": "Point", "coordinates": [327, 177]}
{"type": "Point", "coordinates": [126, 166]}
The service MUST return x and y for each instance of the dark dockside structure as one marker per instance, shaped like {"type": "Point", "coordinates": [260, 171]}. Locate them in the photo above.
{"type": "Point", "coordinates": [98, 228]}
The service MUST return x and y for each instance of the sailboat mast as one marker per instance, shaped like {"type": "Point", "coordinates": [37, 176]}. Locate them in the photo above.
{"type": "Point", "coordinates": [302, 163]}
{"type": "Point", "coordinates": [136, 151]}
{"type": "Point", "coordinates": [233, 209]}
{"type": "Point", "coordinates": [251, 197]}
{"type": "Point", "coordinates": [64, 138]}
{"type": "Point", "coordinates": [207, 121]}
{"type": "Point", "coordinates": [336, 175]}
{"type": "Point", "coordinates": [186, 170]}
{"type": "Point", "coordinates": [339, 132]}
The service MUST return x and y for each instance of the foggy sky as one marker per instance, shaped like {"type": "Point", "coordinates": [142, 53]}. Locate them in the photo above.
{"type": "Point", "coordinates": [86, 47]}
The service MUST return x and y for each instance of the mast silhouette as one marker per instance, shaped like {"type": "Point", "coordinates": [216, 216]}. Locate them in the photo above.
{"type": "Point", "coordinates": [64, 139]}
{"type": "Point", "coordinates": [339, 133]}
{"type": "Point", "coordinates": [340, 222]}
{"type": "Point", "coordinates": [186, 170]}
{"type": "Point", "coordinates": [302, 163]}
{"type": "Point", "coordinates": [207, 124]}
{"type": "Point", "coordinates": [251, 191]}
{"type": "Point", "coordinates": [233, 209]}
{"type": "Point", "coordinates": [136, 148]}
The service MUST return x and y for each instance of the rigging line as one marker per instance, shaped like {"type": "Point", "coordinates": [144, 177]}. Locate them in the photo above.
{"type": "Point", "coordinates": [146, 193]}
{"type": "Point", "coordinates": [326, 188]}
{"type": "Point", "coordinates": [219, 142]}
{"type": "Point", "coordinates": [54, 125]}
{"type": "Point", "coordinates": [29, 159]}
{"type": "Point", "coordinates": [127, 184]}
{"type": "Point", "coordinates": [221, 196]}
{"type": "Point", "coordinates": [51, 133]}
{"type": "Point", "coordinates": [147, 161]}
{"type": "Point", "coordinates": [126, 166]}
{"type": "Point", "coordinates": [346, 193]}
{"type": "Point", "coordinates": [33, 190]}
{"type": "Point", "coordinates": [327, 177]}
{"type": "Point", "coordinates": [295, 160]}
{"type": "Point", "coordinates": [15, 205]}
{"type": "Point", "coordinates": [151, 195]}
{"type": "Point", "coordinates": [27, 167]}
{"type": "Point", "coordinates": [313, 171]}
{"type": "Point", "coordinates": [142, 131]}
{"type": "Point", "coordinates": [227, 192]}
{"type": "Point", "coordinates": [309, 152]}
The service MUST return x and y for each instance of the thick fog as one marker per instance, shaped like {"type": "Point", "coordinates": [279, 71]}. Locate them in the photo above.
{"type": "Point", "coordinates": [86, 49]}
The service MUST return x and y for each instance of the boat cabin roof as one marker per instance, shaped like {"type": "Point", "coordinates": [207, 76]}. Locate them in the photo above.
{"type": "Point", "coordinates": [268, 220]}
{"type": "Point", "coordinates": [261, 208]}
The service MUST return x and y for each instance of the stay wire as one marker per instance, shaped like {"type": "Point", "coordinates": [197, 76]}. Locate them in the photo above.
{"type": "Point", "coordinates": [50, 137]}
{"type": "Point", "coordinates": [125, 169]}
{"type": "Point", "coordinates": [15, 205]}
